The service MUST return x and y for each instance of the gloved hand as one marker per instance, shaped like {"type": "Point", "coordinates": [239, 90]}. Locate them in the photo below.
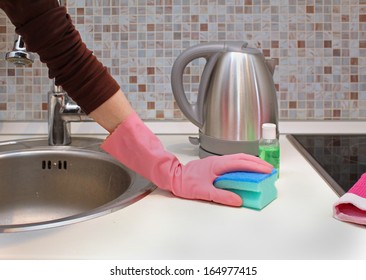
{"type": "Point", "coordinates": [134, 145]}
{"type": "Point", "coordinates": [47, 29]}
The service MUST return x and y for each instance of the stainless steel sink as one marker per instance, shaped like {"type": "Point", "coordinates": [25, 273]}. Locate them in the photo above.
{"type": "Point", "coordinates": [45, 186]}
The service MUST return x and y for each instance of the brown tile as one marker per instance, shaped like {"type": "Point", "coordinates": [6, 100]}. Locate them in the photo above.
{"type": "Point", "coordinates": [319, 27]}
{"type": "Point", "coordinates": [300, 44]}
{"type": "Point", "coordinates": [327, 69]}
{"type": "Point", "coordinates": [275, 44]}
{"type": "Point", "coordinates": [362, 44]}
{"type": "Point", "coordinates": [142, 88]}
{"type": "Point", "coordinates": [354, 61]}
{"type": "Point", "coordinates": [133, 79]}
{"type": "Point", "coordinates": [195, 79]}
{"type": "Point", "coordinates": [194, 18]}
{"type": "Point", "coordinates": [203, 27]}
{"type": "Point", "coordinates": [159, 114]}
{"type": "Point", "coordinates": [292, 104]}
{"type": "Point", "coordinates": [362, 18]}
{"type": "Point", "coordinates": [150, 27]}
{"type": "Point", "coordinates": [354, 95]}
{"type": "Point", "coordinates": [150, 105]}
{"type": "Point", "coordinates": [336, 113]}
{"type": "Point", "coordinates": [150, 70]}
{"type": "Point", "coordinates": [80, 11]}
{"type": "Point", "coordinates": [345, 18]}
{"type": "Point", "coordinates": [11, 72]}
{"type": "Point", "coordinates": [266, 52]}
{"type": "Point", "coordinates": [354, 78]}
{"type": "Point", "coordinates": [327, 44]}
{"type": "Point", "coordinates": [310, 9]}
{"type": "Point", "coordinates": [44, 106]}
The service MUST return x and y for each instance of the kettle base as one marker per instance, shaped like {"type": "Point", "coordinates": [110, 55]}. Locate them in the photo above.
{"type": "Point", "coordinates": [202, 153]}
{"type": "Point", "coordinates": [210, 146]}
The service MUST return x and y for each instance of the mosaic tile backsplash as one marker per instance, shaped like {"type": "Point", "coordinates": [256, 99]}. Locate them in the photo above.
{"type": "Point", "coordinates": [320, 47]}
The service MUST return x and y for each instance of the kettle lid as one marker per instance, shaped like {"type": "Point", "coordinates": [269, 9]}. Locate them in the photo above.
{"type": "Point", "coordinates": [235, 46]}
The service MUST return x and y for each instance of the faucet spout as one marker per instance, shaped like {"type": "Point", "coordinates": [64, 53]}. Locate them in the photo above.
{"type": "Point", "coordinates": [19, 56]}
{"type": "Point", "coordinates": [61, 111]}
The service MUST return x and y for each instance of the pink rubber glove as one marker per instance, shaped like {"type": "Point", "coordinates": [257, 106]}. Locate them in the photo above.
{"type": "Point", "coordinates": [134, 145]}
{"type": "Point", "coordinates": [351, 207]}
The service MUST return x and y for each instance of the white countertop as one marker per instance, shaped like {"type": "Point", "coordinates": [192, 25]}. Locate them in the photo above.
{"type": "Point", "coordinates": [297, 225]}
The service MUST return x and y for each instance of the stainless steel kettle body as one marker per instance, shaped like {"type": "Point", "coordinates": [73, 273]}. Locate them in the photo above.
{"type": "Point", "coordinates": [236, 96]}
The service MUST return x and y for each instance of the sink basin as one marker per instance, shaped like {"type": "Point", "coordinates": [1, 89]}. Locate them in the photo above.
{"type": "Point", "coordinates": [45, 186]}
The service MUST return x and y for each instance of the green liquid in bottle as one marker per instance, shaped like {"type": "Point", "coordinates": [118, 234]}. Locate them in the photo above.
{"type": "Point", "coordinates": [270, 154]}
{"type": "Point", "coordinates": [269, 146]}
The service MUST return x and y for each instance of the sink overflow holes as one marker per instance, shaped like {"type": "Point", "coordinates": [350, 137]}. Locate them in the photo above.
{"type": "Point", "coordinates": [60, 165]}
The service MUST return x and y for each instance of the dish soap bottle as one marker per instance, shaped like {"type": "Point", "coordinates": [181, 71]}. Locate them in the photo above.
{"type": "Point", "coordinates": [269, 146]}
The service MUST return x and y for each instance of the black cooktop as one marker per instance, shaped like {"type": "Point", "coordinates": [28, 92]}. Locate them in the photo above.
{"type": "Point", "coordinates": [340, 159]}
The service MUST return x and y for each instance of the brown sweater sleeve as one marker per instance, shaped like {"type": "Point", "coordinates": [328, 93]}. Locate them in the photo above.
{"type": "Point", "coordinates": [53, 36]}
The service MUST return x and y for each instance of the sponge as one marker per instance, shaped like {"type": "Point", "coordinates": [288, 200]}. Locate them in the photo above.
{"type": "Point", "coordinates": [257, 190]}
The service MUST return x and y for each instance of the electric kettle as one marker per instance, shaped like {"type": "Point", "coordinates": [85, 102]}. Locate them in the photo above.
{"type": "Point", "coordinates": [236, 96]}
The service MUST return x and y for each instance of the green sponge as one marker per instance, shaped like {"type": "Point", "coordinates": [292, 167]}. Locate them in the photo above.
{"type": "Point", "coordinates": [256, 189]}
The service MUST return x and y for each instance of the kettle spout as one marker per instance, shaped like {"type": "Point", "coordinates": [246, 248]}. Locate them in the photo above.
{"type": "Point", "coordinates": [271, 64]}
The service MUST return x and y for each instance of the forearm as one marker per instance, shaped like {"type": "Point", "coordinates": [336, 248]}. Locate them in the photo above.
{"type": "Point", "coordinates": [112, 112]}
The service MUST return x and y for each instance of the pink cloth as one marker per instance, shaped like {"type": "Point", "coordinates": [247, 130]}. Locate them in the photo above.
{"type": "Point", "coordinates": [351, 207]}
{"type": "Point", "coordinates": [134, 145]}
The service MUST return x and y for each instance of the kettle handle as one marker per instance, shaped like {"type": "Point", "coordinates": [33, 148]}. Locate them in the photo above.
{"type": "Point", "coordinates": [194, 112]}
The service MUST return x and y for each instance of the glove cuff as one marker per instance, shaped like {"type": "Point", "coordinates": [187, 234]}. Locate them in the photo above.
{"type": "Point", "coordinates": [137, 147]}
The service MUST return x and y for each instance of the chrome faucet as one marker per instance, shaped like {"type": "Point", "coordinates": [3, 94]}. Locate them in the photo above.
{"type": "Point", "coordinates": [61, 111]}
{"type": "Point", "coordinates": [61, 108]}
{"type": "Point", "coordinates": [19, 56]}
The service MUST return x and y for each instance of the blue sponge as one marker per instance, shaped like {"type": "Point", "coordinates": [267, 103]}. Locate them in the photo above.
{"type": "Point", "coordinates": [256, 189]}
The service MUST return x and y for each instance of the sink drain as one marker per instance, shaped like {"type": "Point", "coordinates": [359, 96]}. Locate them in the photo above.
{"type": "Point", "coordinates": [49, 164]}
